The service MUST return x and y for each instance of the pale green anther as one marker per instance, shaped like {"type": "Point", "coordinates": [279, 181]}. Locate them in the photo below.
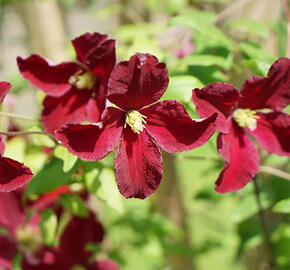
{"type": "Point", "coordinates": [28, 240]}
{"type": "Point", "coordinates": [246, 118]}
{"type": "Point", "coordinates": [135, 120]}
{"type": "Point", "coordinates": [82, 80]}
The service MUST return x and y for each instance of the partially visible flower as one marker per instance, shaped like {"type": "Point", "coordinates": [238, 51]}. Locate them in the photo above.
{"type": "Point", "coordinates": [24, 236]}
{"type": "Point", "coordinates": [13, 174]}
{"type": "Point", "coordinates": [185, 49]}
{"type": "Point", "coordinates": [75, 90]}
{"type": "Point", "coordinates": [133, 86]}
{"type": "Point", "coordinates": [245, 111]}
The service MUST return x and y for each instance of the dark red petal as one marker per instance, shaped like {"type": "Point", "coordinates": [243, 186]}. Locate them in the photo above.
{"type": "Point", "coordinates": [138, 165]}
{"type": "Point", "coordinates": [84, 43]}
{"type": "Point", "coordinates": [2, 145]}
{"type": "Point", "coordinates": [53, 80]}
{"type": "Point", "coordinates": [77, 234]}
{"type": "Point", "coordinates": [102, 59]}
{"type": "Point", "coordinates": [273, 132]}
{"type": "Point", "coordinates": [11, 213]}
{"type": "Point", "coordinates": [91, 142]}
{"type": "Point", "coordinates": [71, 107]}
{"type": "Point", "coordinates": [216, 97]}
{"type": "Point", "coordinates": [95, 108]}
{"type": "Point", "coordinates": [8, 250]}
{"type": "Point", "coordinates": [173, 129]}
{"type": "Point", "coordinates": [271, 92]}
{"type": "Point", "coordinates": [4, 88]}
{"type": "Point", "coordinates": [138, 82]}
{"type": "Point", "coordinates": [103, 265]}
{"type": "Point", "coordinates": [13, 174]}
{"type": "Point", "coordinates": [241, 160]}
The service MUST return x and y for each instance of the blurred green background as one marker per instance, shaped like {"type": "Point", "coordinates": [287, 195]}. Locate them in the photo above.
{"type": "Point", "coordinates": [184, 225]}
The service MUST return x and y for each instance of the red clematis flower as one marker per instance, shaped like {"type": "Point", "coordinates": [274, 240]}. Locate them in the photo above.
{"type": "Point", "coordinates": [24, 236]}
{"type": "Point", "coordinates": [133, 86]}
{"type": "Point", "coordinates": [75, 90]}
{"type": "Point", "coordinates": [239, 113]}
{"type": "Point", "coordinates": [13, 174]}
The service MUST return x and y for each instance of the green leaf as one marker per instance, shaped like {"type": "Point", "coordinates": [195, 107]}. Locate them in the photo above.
{"type": "Point", "coordinates": [180, 87]}
{"type": "Point", "coordinates": [207, 60]}
{"type": "Point", "coordinates": [201, 22]}
{"type": "Point", "coordinates": [248, 206]}
{"type": "Point", "coordinates": [282, 206]}
{"type": "Point", "coordinates": [48, 226]}
{"type": "Point", "coordinates": [42, 140]}
{"type": "Point", "coordinates": [74, 204]}
{"type": "Point", "coordinates": [17, 260]}
{"type": "Point", "coordinates": [108, 190]}
{"type": "Point", "coordinates": [15, 148]}
{"type": "Point", "coordinates": [50, 177]}
{"type": "Point", "coordinates": [255, 52]}
{"type": "Point", "coordinates": [68, 158]}
{"type": "Point", "coordinates": [249, 27]}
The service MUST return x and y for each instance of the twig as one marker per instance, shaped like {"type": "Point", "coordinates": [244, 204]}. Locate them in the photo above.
{"type": "Point", "coordinates": [18, 133]}
{"type": "Point", "coordinates": [275, 171]}
{"type": "Point", "coordinates": [198, 158]}
{"type": "Point", "coordinates": [236, 5]}
{"type": "Point", "coordinates": [264, 225]}
{"type": "Point", "coordinates": [17, 116]}
{"type": "Point", "coordinates": [285, 4]}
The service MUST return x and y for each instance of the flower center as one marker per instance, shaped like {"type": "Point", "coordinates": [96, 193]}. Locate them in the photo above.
{"type": "Point", "coordinates": [28, 239]}
{"type": "Point", "coordinates": [246, 118]}
{"type": "Point", "coordinates": [82, 80]}
{"type": "Point", "coordinates": [135, 120]}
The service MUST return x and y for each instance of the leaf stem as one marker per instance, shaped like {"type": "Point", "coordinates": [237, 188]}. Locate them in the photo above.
{"type": "Point", "coordinates": [19, 133]}
{"type": "Point", "coordinates": [268, 245]}
{"type": "Point", "coordinates": [275, 172]}
{"type": "Point", "coordinates": [17, 116]}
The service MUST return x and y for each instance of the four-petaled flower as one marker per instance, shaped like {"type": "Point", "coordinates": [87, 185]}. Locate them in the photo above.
{"type": "Point", "coordinates": [75, 90]}
{"type": "Point", "coordinates": [133, 86]}
{"type": "Point", "coordinates": [243, 112]}
{"type": "Point", "coordinates": [13, 174]}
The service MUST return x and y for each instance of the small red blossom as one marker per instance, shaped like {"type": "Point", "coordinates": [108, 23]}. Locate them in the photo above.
{"type": "Point", "coordinates": [13, 174]}
{"type": "Point", "coordinates": [139, 126]}
{"type": "Point", "coordinates": [238, 112]}
{"type": "Point", "coordinates": [75, 90]}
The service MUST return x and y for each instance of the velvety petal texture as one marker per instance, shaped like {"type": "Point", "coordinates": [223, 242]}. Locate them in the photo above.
{"type": "Point", "coordinates": [92, 142]}
{"type": "Point", "coordinates": [273, 132]}
{"type": "Point", "coordinates": [52, 79]}
{"type": "Point", "coordinates": [271, 92]}
{"type": "Point", "coordinates": [218, 98]}
{"type": "Point", "coordinates": [138, 165]}
{"type": "Point", "coordinates": [4, 89]}
{"type": "Point", "coordinates": [138, 82]}
{"type": "Point", "coordinates": [241, 159]}
{"type": "Point", "coordinates": [13, 174]}
{"type": "Point", "coordinates": [77, 234]}
{"type": "Point", "coordinates": [71, 107]}
{"type": "Point", "coordinates": [173, 129]}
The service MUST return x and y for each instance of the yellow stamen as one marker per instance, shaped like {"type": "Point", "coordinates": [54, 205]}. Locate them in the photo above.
{"type": "Point", "coordinates": [135, 120]}
{"type": "Point", "coordinates": [82, 80]}
{"type": "Point", "coordinates": [246, 118]}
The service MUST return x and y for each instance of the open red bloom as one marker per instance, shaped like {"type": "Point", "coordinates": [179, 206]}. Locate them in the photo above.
{"type": "Point", "coordinates": [13, 174]}
{"type": "Point", "coordinates": [241, 110]}
{"type": "Point", "coordinates": [133, 86]}
{"type": "Point", "coordinates": [24, 236]}
{"type": "Point", "coordinates": [75, 90]}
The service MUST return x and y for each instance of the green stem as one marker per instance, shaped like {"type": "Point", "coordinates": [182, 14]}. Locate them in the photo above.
{"type": "Point", "coordinates": [19, 133]}
{"type": "Point", "coordinates": [17, 116]}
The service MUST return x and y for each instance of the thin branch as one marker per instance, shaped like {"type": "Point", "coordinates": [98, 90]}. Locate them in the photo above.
{"type": "Point", "coordinates": [270, 257]}
{"type": "Point", "coordinates": [198, 158]}
{"type": "Point", "coordinates": [17, 116]}
{"type": "Point", "coordinates": [19, 133]}
{"type": "Point", "coordinates": [229, 10]}
{"type": "Point", "coordinates": [275, 172]}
